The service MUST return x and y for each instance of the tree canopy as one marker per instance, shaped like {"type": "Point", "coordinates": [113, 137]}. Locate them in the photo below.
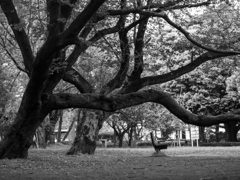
{"type": "Point", "coordinates": [132, 44]}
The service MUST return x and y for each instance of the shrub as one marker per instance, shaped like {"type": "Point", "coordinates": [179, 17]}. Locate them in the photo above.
{"type": "Point", "coordinates": [144, 143]}
{"type": "Point", "coordinates": [220, 144]}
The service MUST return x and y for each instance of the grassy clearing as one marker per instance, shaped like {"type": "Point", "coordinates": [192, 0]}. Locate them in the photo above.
{"type": "Point", "coordinates": [125, 163]}
{"type": "Point", "coordinates": [176, 151]}
{"type": "Point", "coordinates": [148, 151]}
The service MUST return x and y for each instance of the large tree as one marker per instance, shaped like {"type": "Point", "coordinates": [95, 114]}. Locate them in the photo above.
{"type": "Point", "coordinates": [72, 28]}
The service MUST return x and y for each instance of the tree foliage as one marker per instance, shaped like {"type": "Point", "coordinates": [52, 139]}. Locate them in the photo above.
{"type": "Point", "coordinates": [54, 41]}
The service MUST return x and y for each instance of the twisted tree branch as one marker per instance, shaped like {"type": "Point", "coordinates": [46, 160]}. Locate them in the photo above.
{"type": "Point", "coordinates": [91, 101]}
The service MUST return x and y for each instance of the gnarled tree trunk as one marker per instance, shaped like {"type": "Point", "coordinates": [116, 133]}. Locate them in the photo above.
{"type": "Point", "coordinates": [20, 136]}
{"type": "Point", "coordinates": [88, 125]}
{"type": "Point", "coordinates": [231, 131]}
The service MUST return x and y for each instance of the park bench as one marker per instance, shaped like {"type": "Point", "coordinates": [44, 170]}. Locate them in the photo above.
{"type": "Point", "coordinates": [104, 142]}
{"type": "Point", "coordinates": [158, 146]}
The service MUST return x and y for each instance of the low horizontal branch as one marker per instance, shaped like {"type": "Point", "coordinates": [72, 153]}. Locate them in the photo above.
{"type": "Point", "coordinates": [111, 104]}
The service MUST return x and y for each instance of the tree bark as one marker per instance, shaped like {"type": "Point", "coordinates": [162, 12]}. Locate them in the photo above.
{"type": "Point", "coordinates": [20, 136]}
{"type": "Point", "coordinates": [130, 135]}
{"type": "Point", "coordinates": [202, 134]}
{"type": "Point", "coordinates": [40, 136]}
{"type": "Point", "coordinates": [231, 131]}
{"type": "Point", "coordinates": [217, 133]}
{"type": "Point", "coordinates": [114, 139]}
{"type": "Point", "coordinates": [88, 126]}
{"type": "Point", "coordinates": [120, 141]}
{"type": "Point", "coordinates": [69, 129]}
{"type": "Point", "coordinates": [60, 127]}
{"type": "Point", "coordinates": [53, 118]}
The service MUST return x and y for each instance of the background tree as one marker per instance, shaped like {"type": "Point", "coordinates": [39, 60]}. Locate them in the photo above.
{"type": "Point", "coordinates": [10, 95]}
{"type": "Point", "coordinates": [158, 118]}
{"type": "Point", "coordinates": [121, 125]}
{"type": "Point", "coordinates": [128, 124]}
{"type": "Point", "coordinates": [232, 83]}
{"type": "Point", "coordinates": [206, 91]}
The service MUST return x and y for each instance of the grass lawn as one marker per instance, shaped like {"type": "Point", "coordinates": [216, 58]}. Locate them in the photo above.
{"type": "Point", "coordinates": [187, 163]}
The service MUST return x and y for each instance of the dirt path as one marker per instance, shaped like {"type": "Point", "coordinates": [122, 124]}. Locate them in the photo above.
{"type": "Point", "coordinates": [175, 163]}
